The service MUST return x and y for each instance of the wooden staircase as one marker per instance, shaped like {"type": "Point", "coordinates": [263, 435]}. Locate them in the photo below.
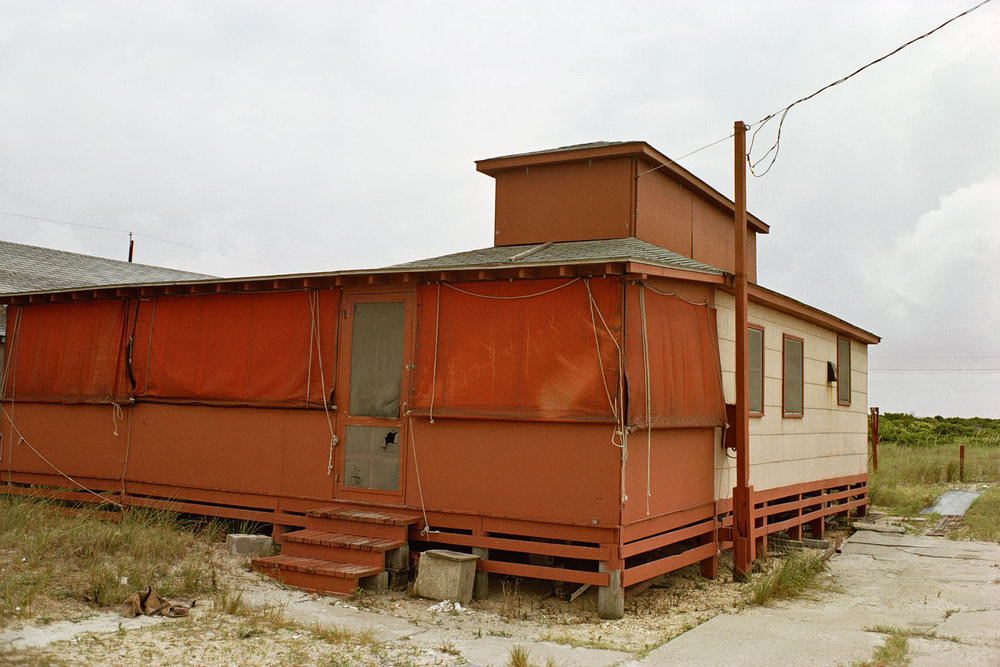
{"type": "Point", "coordinates": [341, 549]}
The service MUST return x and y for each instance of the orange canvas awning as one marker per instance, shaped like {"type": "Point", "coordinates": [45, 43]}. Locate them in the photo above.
{"type": "Point", "coordinates": [685, 384]}
{"type": "Point", "coordinates": [517, 350]}
{"type": "Point", "coordinates": [67, 352]}
{"type": "Point", "coordinates": [237, 349]}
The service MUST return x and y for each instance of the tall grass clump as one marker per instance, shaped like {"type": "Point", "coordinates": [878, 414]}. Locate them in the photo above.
{"type": "Point", "coordinates": [49, 554]}
{"type": "Point", "coordinates": [791, 576]}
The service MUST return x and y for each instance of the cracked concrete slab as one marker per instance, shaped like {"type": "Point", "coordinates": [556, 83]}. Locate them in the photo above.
{"type": "Point", "coordinates": [945, 593]}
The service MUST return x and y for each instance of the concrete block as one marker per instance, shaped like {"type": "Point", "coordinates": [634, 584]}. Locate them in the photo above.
{"type": "Point", "coordinates": [446, 575]}
{"type": "Point", "coordinates": [398, 560]}
{"type": "Point", "coordinates": [249, 545]}
{"type": "Point", "coordinates": [376, 583]}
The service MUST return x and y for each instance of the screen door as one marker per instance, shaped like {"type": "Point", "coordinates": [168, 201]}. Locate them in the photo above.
{"type": "Point", "coordinates": [372, 439]}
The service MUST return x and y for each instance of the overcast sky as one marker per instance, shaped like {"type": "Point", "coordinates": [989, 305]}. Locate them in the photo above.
{"type": "Point", "coordinates": [311, 136]}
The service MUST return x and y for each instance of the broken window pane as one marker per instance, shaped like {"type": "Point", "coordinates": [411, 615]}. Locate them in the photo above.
{"type": "Point", "coordinates": [371, 458]}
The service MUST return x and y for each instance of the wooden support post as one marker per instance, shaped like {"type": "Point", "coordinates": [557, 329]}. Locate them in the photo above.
{"type": "Point", "coordinates": [710, 566]}
{"type": "Point", "coordinates": [817, 528]}
{"type": "Point", "coordinates": [481, 587]}
{"type": "Point", "coordinates": [743, 545]}
{"type": "Point", "coordinates": [611, 598]}
{"type": "Point", "coordinates": [760, 544]}
{"type": "Point", "coordinates": [743, 521]}
{"type": "Point", "coordinates": [961, 463]}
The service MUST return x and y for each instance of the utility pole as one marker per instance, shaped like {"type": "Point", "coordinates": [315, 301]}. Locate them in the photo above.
{"type": "Point", "coordinates": [743, 540]}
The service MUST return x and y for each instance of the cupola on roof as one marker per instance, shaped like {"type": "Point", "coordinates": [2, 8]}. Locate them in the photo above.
{"type": "Point", "coordinates": [610, 190]}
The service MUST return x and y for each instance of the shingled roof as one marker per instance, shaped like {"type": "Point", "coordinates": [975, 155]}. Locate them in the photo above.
{"type": "Point", "coordinates": [599, 251]}
{"type": "Point", "coordinates": [28, 268]}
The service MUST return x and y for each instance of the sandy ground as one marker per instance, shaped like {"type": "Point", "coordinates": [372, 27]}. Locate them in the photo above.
{"type": "Point", "coordinates": [390, 629]}
{"type": "Point", "coordinates": [279, 625]}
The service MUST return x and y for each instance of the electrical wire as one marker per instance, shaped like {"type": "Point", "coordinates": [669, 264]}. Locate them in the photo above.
{"type": "Point", "coordinates": [141, 235]}
{"type": "Point", "coordinates": [689, 154]}
{"type": "Point", "coordinates": [775, 147]}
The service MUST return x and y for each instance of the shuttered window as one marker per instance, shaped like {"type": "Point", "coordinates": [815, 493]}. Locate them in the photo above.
{"type": "Point", "coordinates": [843, 371]}
{"type": "Point", "coordinates": [792, 379]}
{"type": "Point", "coordinates": [755, 363]}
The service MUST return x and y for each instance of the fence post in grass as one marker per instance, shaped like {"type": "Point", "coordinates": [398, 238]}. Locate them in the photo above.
{"type": "Point", "coordinates": [874, 427]}
{"type": "Point", "coordinates": [961, 463]}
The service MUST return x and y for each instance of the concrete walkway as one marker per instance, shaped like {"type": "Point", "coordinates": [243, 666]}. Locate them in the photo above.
{"type": "Point", "coordinates": [947, 591]}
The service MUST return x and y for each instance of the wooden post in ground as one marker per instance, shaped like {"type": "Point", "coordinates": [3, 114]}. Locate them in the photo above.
{"type": "Point", "coordinates": [611, 598]}
{"type": "Point", "coordinates": [743, 540]}
{"type": "Point", "coordinates": [481, 587]}
{"type": "Point", "coordinates": [874, 427]}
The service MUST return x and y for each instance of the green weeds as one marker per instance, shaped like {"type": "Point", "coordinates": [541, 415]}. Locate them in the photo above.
{"type": "Point", "coordinates": [790, 576]}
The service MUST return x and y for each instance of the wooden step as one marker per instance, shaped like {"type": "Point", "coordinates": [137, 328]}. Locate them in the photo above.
{"type": "Point", "coordinates": [370, 523]}
{"type": "Point", "coordinates": [314, 574]}
{"type": "Point", "coordinates": [341, 540]}
{"type": "Point", "coordinates": [339, 547]}
{"type": "Point", "coordinates": [364, 516]}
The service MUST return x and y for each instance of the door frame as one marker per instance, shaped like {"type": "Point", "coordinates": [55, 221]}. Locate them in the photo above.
{"type": "Point", "coordinates": [349, 298]}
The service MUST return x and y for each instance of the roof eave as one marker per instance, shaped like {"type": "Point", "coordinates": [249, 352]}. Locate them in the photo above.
{"type": "Point", "coordinates": [787, 304]}
{"type": "Point", "coordinates": [628, 264]}
{"type": "Point", "coordinates": [637, 149]}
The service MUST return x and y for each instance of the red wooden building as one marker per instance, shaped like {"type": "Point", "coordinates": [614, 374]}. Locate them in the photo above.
{"type": "Point", "coordinates": [555, 403]}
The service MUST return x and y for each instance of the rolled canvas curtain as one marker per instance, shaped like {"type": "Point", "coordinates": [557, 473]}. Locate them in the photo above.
{"type": "Point", "coordinates": [67, 352]}
{"type": "Point", "coordinates": [517, 350]}
{"type": "Point", "coordinates": [685, 387]}
{"type": "Point", "coordinates": [237, 349]}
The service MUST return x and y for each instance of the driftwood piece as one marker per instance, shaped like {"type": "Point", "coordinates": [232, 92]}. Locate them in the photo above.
{"type": "Point", "coordinates": [148, 602]}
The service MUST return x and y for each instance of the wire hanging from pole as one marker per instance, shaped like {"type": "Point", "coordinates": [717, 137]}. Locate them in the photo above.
{"type": "Point", "coordinates": [776, 146]}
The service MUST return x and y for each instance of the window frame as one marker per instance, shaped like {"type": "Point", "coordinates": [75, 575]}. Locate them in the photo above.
{"type": "Point", "coordinates": [763, 352]}
{"type": "Point", "coordinates": [784, 378]}
{"type": "Point", "coordinates": [843, 377]}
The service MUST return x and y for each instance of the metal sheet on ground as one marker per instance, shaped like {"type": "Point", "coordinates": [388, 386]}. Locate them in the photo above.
{"type": "Point", "coordinates": [953, 503]}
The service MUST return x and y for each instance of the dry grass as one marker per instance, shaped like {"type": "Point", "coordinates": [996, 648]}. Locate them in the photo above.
{"type": "Point", "coordinates": [48, 555]}
{"type": "Point", "coordinates": [911, 478]}
{"type": "Point", "coordinates": [521, 657]}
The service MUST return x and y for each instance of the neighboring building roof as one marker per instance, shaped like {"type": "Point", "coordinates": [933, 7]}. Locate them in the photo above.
{"type": "Point", "coordinates": [28, 268]}
{"type": "Point", "coordinates": [567, 252]}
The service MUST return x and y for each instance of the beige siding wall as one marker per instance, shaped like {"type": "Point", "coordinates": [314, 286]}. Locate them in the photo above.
{"type": "Point", "coordinates": [829, 440]}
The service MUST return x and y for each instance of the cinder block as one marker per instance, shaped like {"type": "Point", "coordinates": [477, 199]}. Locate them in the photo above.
{"type": "Point", "coordinates": [397, 560]}
{"type": "Point", "coordinates": [376, 583]}
{"type": "Point", "coordinates": [249, 545]}
{"type": "Point", "coordinates": [446, 575]}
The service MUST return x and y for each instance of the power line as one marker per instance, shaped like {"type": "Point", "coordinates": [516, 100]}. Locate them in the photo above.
{"type": "Point", "coordinates": [939, 356]}
{"type": "Point", "coordinates": [63, 222]}
{"type": "Point", "coordinates": [139, 234]}
{"type": "Point", "coordinates": [948, 370]}
{"type": "Point", "coordinates": [677, 160]}
{"type": "Point", "coordinates": [784, 112]}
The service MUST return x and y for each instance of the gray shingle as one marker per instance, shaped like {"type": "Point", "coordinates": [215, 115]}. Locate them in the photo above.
{"type": "Point", "coordinates": [567, 252]}
{"type": "Point", "coordinates": [27, 268]}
